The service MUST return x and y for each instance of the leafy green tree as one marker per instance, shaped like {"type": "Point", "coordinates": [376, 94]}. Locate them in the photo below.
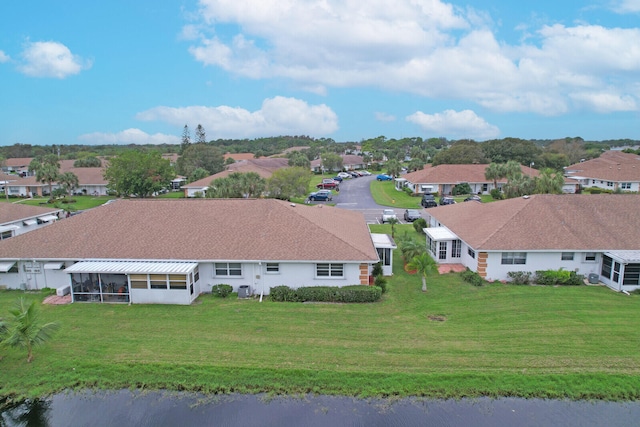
{"type": "Point", "coordinates": [518, 185]}
{"type": "Point", "coordinates": [138, 173]}
{"type": "Point", "coordinates": [521, 151]}
{"type": "Point", "coordinates": [461, 152]}
{"type": "Point", "coordinates": [393, 167]}
{"type": "Point", "coordinates": [26, 331]}
{"type": "Point", "coordinates": [252, 184]}
{"type": "Point", "coordinates": [425, 266]}
{"type": "Point", "coordinates": [549, 182]}
{"type": "Point", "coordinates": [47, 169]}
{"type": "Point", "coordinates": [290, 182]}
{"type": "Point", "coordinates": [69, 182]}
{"type": "Point", "coordinates": [223, 188]}
{"type": "Point", "coordinates": [462, 188]}
{"type": "Point", "coordinates": [186, 139]}
{"type": "Point", "coordinates": [197, 174]}
{"type": "Point", "coordinates": [331, 162]}
{"type": "Point", "coordinates": [297, 158]}
{"type": "Point", "coordinates": [229, 161]}
{"type": "Point", "coordinates": [205, 156]}
{"type": "Point", "coordinates": [416, 164]}
{"type": "Point", "coordinates": [237, 185]}
{"type": "Point", "coordinates": [88, 162]}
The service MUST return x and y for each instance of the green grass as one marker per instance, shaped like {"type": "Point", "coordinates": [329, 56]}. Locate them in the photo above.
{"type": "Point", "coordinates": [384, 193]}
{"type": "Point", "coordinates": [81, 202]}
{"type": "Point", "coordinates": [455, 340]}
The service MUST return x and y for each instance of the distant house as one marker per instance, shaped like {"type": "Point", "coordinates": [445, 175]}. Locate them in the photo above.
{"type": "Point", "coordinates": [589, 234]}
{"type": "Point", "coordinates": [169, 251]}
{"type": "Point", "coordinates": [349, 162]}
{"type": "Point", "coordinates": [239, 156]}
{"type": "Point", "coordinates": [613, 170]}
{"type": "Point", "coordinates": [263, 167]}
{"type": "Point", "coordinates": [16, 219]}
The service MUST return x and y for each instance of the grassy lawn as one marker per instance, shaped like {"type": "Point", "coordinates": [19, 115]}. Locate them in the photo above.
{"type": "Point", "coordinates": [81, 202]}
{"type": "Point", "coordinates": [385, 194]}
{"type": "Point", "coordinates": [453, 341]}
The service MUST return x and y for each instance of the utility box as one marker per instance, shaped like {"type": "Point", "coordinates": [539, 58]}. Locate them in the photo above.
{"type": "Point", "coordinates": [64, 290]}
{"type": "Point", "coordinates": [244, 291]}
{"type": "Point", "coordinates": [594, 278]}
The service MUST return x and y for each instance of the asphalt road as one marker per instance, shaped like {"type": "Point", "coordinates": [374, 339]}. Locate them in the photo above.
{"type": "Point", "coordinates": [355, 195]}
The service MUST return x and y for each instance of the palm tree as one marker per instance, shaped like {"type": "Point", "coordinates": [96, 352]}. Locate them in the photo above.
{"type": "Point", "coordinates": [394, 167]}
{"type": "Point", "coordinates": [393, 222]}
{"type": "Point", "coordinates": [47, 169]}
{"type": "Point", "coordinates": [494, 172]}
{"type": "Point", "coordinates": [69, 181]}
{"type": "Point", "coordinates": [410, 248]}
{"type": "Point", "coordinates": [549, 182]}
{"type": "Point", "coordinates": [252, 184]}
{"type": "Point", "coordinates": [26, 331]}
{"type": "Point", "coordinates": [425, 265]}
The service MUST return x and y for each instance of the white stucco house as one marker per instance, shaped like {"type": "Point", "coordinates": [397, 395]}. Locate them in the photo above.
{"type": "Point", "coordinates": [589, 234]}
{"type": "Point", "coordinates": [613, 170]}
{"type": "Point", "coordinates": [16, 219]}
{"type": "Point", "coordinates": [170, 251]}
{"type": "Point", "coordinates": [349, 162]}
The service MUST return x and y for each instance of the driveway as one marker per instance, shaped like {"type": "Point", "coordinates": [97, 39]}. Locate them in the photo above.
{"type": "Point", "coordinates": [355, 195]}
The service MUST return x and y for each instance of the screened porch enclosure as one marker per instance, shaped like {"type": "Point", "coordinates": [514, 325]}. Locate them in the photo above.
{"type": "Point", "coordinates": [100, 287]}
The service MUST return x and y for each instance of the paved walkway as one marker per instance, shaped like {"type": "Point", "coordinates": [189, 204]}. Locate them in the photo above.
{"type": "Point", "coordinates": [451, 268]}
{"type": "Point", "coordinates": [56, 300]}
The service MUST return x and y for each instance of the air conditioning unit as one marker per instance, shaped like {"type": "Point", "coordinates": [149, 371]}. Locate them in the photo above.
{"type": "Point", "coordinates": [594, 278]}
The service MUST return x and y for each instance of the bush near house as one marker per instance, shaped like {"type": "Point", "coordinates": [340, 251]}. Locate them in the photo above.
{"type": "Point", "coordinates": [420, 224]}
{"type": "Point", "coordinates": [221, 291]}
{"type": "Point", "coordinates": [558, 278]}
{"type": "Point", "coordinates": [519, 277]}
{"type": "Point", "coordinates": [496, 194]}
{"type": "Point", "coordinates": [347, 294]}
{"type": "Point", "coordinates": [472, 277]}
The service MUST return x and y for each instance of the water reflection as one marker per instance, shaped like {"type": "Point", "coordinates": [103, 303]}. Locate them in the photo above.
{"type": "Point", "coordinates": [126, 408]}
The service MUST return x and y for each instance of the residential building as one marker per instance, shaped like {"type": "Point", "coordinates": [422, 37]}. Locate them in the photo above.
{"type": "Point", "coordinates": [589, 234]}
{"type": "Point", "coordinates": [16, 218]}
{"type": "Point", "coordinates": [613, 170]}
{"type": "Point", "coordinates": [349, 162]}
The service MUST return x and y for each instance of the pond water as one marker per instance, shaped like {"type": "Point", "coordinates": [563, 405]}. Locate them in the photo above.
{"type": "Point", "coordinates": [127, 408]}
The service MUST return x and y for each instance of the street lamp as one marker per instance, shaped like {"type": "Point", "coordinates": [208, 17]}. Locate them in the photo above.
{"type": "Point", "coordinates": [530, 167]}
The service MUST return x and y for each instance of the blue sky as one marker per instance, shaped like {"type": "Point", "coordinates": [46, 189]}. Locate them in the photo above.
{"type": "Point", "coordinates": [122, 72]}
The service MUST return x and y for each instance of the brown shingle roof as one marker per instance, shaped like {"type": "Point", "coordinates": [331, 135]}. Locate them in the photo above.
{"type": "Point", "coordinates": [610, 166]}
{"type": "Point", "coordinates": [547, 222]}
{"type": "Point", "coordinates": [263, 167]}
{"type": "Point", "coordinates": [456, 174]}
{"type": "Point", "coordinates": [239, 156]}
{"type": "Point", "coordinates": [201, 229]}
{"type": "Point", "coordinates": [11, 212]}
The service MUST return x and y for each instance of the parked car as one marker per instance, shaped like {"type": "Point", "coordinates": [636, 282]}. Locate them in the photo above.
{"type": "Point", "coordinates": [428, 201]}
{"type": "Point", "coordinates": [446, 200]}
{"type": "Point", "coordinates": [328, 183]}
{"type": "Point", "coordinates": [411, 215]}
{"type": "Point", "coordinates": [344, 175]}
{"type": "Point", "coordinates": [474, 198]}
{"type": "Point", "coordinates": [383, 177]}
{"type": "Point", "coordinates": [337, 178]}
{"type": "Point", "coordinates": [366, 173]}
{"type": "Point", "coordinates": [354, 174]}
{"type": "Point", "coordinates": [321, 195]}
{"type": "Point", "coordinates": [388, 214]}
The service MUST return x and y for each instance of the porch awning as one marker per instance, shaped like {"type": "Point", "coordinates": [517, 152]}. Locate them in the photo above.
{"type": "Point", "coordinates": [4, 228]}
{"type": "Point", "coordinates": [53, 265]}
{"type": "Point", "coordinates": [30, 222]}
{"type": "Point", "coordinates": [383, 241]}
{"type": "Point", "coordinates": [6, 266]}
{"type": "Point", "coordinates": [132, 267]}
{"type": "Point", "coordinates": [625, 256]}
{"type": "Point", "coordinates": [440, 233]}
{"type": "Point", "coordinates": [47, 218]}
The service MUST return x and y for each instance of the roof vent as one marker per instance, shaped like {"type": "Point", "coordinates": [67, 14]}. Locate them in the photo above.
{"type": "Point", "coordinates": [526, 196]}
{"type": "Point", "coordinates": [293, 205]}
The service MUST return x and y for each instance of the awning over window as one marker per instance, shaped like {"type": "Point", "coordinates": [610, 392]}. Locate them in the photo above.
{"type": "Point", "coordinates": [53, 265]}
{"type": "Point", "coordinates": [383, 241]}
{"type": "Point", "coordinates": [6, 266]}
{"type": "Point", "coordinates": [47, 218]}
{"type": "Point", "coordinates": [30, 222]}
{"type": "Point", "coordinates": [630, 256]}
{"type": "Point", "coordinates": [440, 233]}
{"type": "Point", "coordinates": [132, 267]}
{"type": "Point", "coordinates": [4, 228]}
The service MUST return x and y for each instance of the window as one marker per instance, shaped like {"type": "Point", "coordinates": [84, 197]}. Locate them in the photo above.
{"type": "Point", "coordinates": [514, 257]}
{"type": "Point", "coordinates": [228, 269]}
{"type": "Point", "coordinates": [609, 184]}
{"type": "Point", "coordinates": [567, 256]}
{"type": "Point", "coordinates": [196, 275]}
{"type": "Point", "coordinates": [385, 255]}
{"type": "Point", "coordinates": [471, 253]}
{"type": "Point", "coordinates": [625, 185]}
{"type": "Point", "coordinates": [273, 268]}
{"type": "Point", "coordinates": [456, 248]}
{"type": "Point", "coordinates": [138, 281]}
{"type": "Point", "coordinates": [177, 281]}
{"type": "Point", "coordinates": [6, 234]}
{"type": "Point", "coordinates": [329, 270]}
{"type": "Point", "coordinates": [590, 256]}
{"type": "Point", "coordinates": [606, 267]}
{"type": "Point", "coordinates": [442, 251]}
{"type": "Point", "coordinates": [158, 281]}
{"type": "Point", "coordinates": [631, 275]}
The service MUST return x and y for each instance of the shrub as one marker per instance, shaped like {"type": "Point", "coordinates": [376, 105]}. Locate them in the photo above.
{"type": "Point", "coordinates": [381, 282]}
{"type": "Point", "coordinates": [317, 293]}
{"type": "Point", "coordinates": [408, 190]}
{"type": "Point", "coordinates": [519, 277]}
{"type": "Point", "coordinates": [472, 277]}
{"type": "Point", "coordinates": [283, 293]}
{"type": "Point", "coordinates": [221, 291]}
{"type": "Point", "coordinates": [462, 188]}
{"type": "Point", "coordinates": [419, 224]}
{"type": "Point", "coordinates": [558, 278]}
{"type": "Point", "coordinates": [377, 269]}
{"type": "Point", "coordinates": [359, 293]}
{"type": "Point", "coordinates": [496, 194]}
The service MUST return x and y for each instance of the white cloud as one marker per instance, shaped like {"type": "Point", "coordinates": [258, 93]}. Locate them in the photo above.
{"type": "Point", "coordinates": [128, 136]}
{"type": "Point", "coordinates": [384, 117]}
{"type": "Point", "coordinates": [277, 116]}
{"type": "Point", "coordinates": [455, 124]}
{"type": "Point", "coordinates": [424, 47]}
{"type": "Point", "coordinates": [4, 57]}
{"type": "Point", "coordinates": [605, 102]}
{"type": "Point", "coordinates": [50, 59]}
{"type": "Point", "coordinates": [626, 6]}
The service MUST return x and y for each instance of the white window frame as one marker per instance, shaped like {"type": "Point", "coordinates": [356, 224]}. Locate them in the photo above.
{"type": "Point", "coordinates": [587, 255]}
{"type": "Point", "coordinates": [510, 258]}
{"type": "Point", "coordinates": [333, 270]}
{"type": "Point", "coordinates": [567, 256]}
{"type": "Point", "coordinates": [272, 268]}
{"type": "Point", "coordinates": [226, 266]}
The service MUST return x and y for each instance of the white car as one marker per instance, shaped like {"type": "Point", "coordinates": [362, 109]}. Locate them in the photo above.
{"type": "Point", "coordinates": [344, 175]}
{"type": "Point", "coordinates": [365, 173]}
{"type": "Point", "coordinates": [388, 214]}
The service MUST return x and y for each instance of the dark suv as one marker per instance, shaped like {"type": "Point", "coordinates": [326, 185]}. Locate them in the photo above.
{"type": "Point", "coordinates": [447, 200]}
{"type": "Point", "coordinates": [428, 201]}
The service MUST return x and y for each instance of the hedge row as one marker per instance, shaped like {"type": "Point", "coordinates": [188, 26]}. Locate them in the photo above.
{"type": "Point", "coordinates": [546, 277]}
{"type": "Point", "coordinates": [354, 293]}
